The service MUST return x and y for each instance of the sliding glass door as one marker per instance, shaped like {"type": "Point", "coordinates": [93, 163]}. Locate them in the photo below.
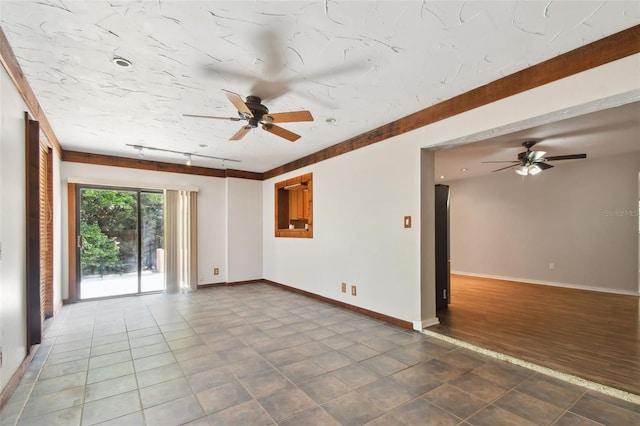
{"type": "Point", "coordinates": [152, 242]}
{"type": "Point", "coordinates": [120, 245]}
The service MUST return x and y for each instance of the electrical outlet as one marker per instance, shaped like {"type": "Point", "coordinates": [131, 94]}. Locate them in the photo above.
{"type": "Point", "coordinates": [353, 290]}
{"type": "Point", "coordinates": [201, 277]}
{"type": "Point", "coordinates": [216, 271]}
{"type": "Point", "coordinates": [552, 266]}
{"type": "Point", "coordinates": [344, 287]}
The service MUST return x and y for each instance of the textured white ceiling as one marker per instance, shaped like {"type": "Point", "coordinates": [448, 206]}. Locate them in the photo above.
{"type": "Point", "coordinates": [363, 63]}
{"type": "Point", "coordinates": [603, 133]}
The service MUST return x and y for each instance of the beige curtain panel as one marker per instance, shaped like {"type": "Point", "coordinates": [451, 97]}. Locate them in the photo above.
{"type": "Point", "coordinates": [180, 227]}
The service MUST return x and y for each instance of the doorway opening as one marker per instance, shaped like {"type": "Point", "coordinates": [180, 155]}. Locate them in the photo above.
{"type": "Point", "coordinates": [120, 241]}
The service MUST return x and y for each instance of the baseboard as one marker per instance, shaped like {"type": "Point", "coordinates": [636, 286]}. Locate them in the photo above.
{"type": "Point", "coordinates": [547, 283]}
{"type": "Point", "coordinates": [12, 384]}
{"type": "Point", "coordinates": [211, 285]}
{"type": "Point", "coordinates": [229, 284]}
{"type": "Point", "coordinates": [382, 317]}
{"type": "Point", "coordinates": [367, 312]}
{"type": "Point", "coordinates": [234, 283]}
{"type": "Point", "coordinates": [421, 325]}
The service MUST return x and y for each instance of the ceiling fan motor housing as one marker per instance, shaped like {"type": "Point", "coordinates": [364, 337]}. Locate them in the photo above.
{"type": "Point", "coordinates": [258, 110]}
{"type": "Point", "coordinates": [254, 113]}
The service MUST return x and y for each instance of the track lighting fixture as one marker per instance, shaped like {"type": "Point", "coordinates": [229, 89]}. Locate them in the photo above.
{"type": "Point", "coordinates": [189, 155]}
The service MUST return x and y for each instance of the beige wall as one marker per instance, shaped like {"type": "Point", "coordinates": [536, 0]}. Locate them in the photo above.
{"type": "Point", "coordinates": [582, 216]}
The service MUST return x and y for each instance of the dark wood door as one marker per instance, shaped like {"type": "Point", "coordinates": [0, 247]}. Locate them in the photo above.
{"type": "Point", "coordinates": [443, 287]}
{"type": "Point", "coordinates": [32, 154]}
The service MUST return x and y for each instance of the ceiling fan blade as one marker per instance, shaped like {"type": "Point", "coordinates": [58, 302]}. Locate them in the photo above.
{"type": "Point", "coordinates": [505, 168]}
{"type": "Point", "coordinates": [270, 45]}
{"type": "Point", "coordinates": [237, 101]}
{"type": "Point", "coordinates": [332, 72]}
{"type": "Point", "coordinates": [567, 157]}
{"type": "Point", "coordinates": [220, 71]}
{"type": "Point", "coordinates": [279, 131]}
{"type": "Point", "coordinates": [543, 166]}
{"type": "Point", "coordinates": [210, 116]}
{"type": "Point", "coordinates": [489, 162]}
{"type": "Point", "coordinates": [288, 117]}
{"type": "Point", "coordinates": [240, 133]}
{"type": "Point", "coordinates": [269, 90]}
{"type": "Point", "coordinates": [536, 155]}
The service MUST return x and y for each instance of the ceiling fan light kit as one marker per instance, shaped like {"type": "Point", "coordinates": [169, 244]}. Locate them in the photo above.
{"type": "Point", "coordinates": [530, 163]}
{"type": "Point", "coordinates": [254, 113]}
{"type": "Point", "coordinates": [531, 169]}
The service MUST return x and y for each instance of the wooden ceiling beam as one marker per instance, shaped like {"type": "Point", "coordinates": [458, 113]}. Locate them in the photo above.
{"type": "Point", "coordinates": [609, 49]}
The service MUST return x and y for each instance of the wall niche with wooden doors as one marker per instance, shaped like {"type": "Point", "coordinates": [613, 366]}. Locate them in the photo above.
{"type": "Point", "coordinates": [294, 207]}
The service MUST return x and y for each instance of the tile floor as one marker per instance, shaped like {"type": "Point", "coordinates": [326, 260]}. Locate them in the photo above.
{"type": "Point", "coordinates": [259, 355]}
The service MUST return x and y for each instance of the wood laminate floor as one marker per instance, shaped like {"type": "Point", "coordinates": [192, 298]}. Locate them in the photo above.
{"type": "Point", "coordinates": [589, 334]}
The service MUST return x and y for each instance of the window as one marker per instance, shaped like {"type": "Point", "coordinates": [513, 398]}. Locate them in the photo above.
{"type": "Point", "coordinates": [294, 207]}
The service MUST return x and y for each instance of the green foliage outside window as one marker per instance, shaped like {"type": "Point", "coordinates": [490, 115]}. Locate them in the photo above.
{"type": "Point", "coordinates": [109, 229]}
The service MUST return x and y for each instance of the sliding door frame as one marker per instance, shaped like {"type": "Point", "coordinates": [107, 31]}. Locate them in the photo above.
{"type": "Point", "coordinates": [75, 278]}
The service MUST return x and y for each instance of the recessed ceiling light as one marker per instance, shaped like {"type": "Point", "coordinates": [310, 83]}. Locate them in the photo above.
{"type": "Point", "coordinates": [442, 177]}
{"type": "Point", "coordinates": [203, 145]}
{"type": "Point", "coordinates": [330, 120]}
{"type": "Point", "coordinates": [124, 63]}
{"type": "Point", "coordinates": [464, 169]}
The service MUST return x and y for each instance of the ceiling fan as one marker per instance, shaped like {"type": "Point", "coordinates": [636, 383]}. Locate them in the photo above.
{"type": "Point", "coordinates": [273, 79]}
{"type": "Point", "coordinates": [253, 112]}
{"type": "Point", "coordinates": [533, 162]}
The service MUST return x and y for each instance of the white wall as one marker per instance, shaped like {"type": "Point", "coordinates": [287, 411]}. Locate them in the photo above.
{"type": "Point", "coordinates": [360, 199]}
{"type": "Point", "coordinates": [359, 202]}
{"type": "Point", "coordinates": [12, 229]}
{"type": "Point", "coordinates": [508, 226]}
{"type": "Point", "coordinates": [244, 230]}
{"type": "Point", "coordinates": [211, 209]}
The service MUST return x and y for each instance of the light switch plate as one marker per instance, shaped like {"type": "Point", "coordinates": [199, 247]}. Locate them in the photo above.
{"type": "Point", "coordinates": [407, 221]}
